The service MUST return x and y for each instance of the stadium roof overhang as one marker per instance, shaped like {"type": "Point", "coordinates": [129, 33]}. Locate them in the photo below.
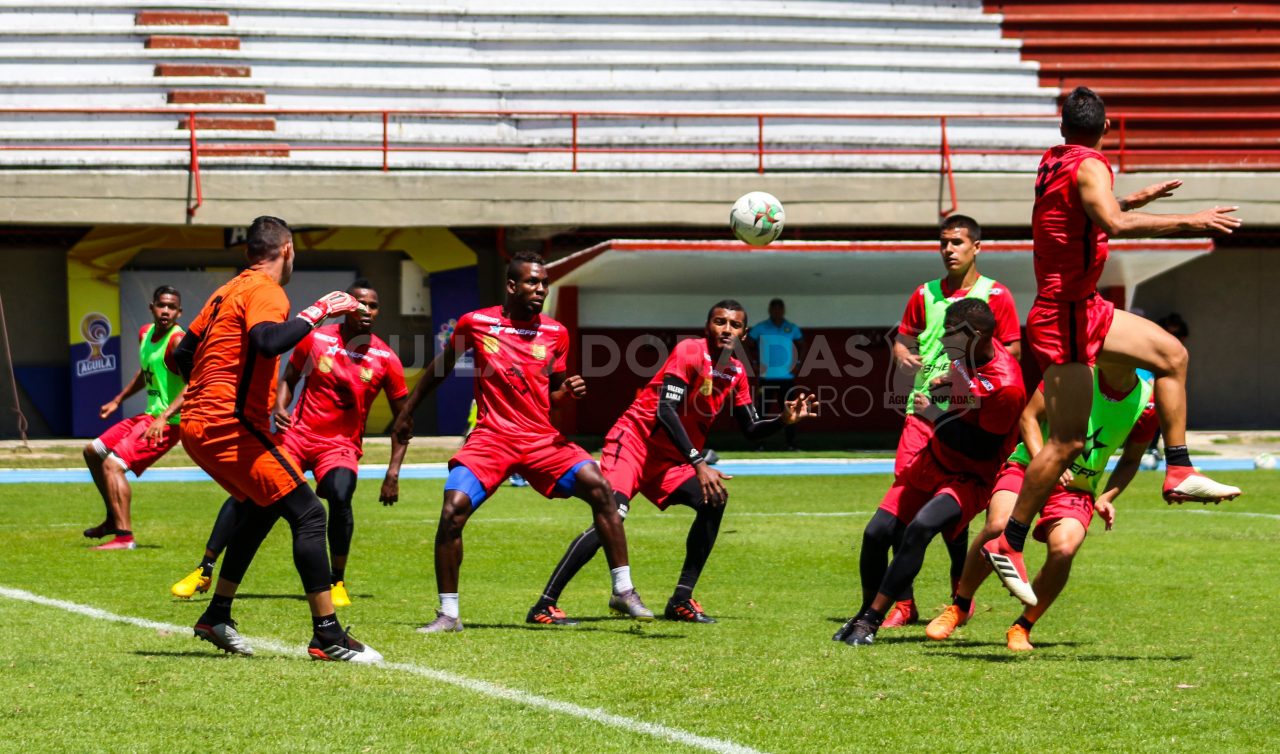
{"type": "Point", "coordinates": [663, 283]}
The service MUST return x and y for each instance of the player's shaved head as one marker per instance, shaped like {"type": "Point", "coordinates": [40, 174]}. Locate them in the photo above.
{"type": "Point", "coordinates": [972, 312]}
{"type": "Point", "coordinates": [520, 260]}
{"type": "Point", "coordinates": [965, 223]}
{"type": "Point", "coordinates": [267, 238]}
{"type": "Point", "coordinates": [361, 284]}
{"type": "Point", "coordinates": [728, 305]}
{"type": "Point", "coordinates": [1084, 116]}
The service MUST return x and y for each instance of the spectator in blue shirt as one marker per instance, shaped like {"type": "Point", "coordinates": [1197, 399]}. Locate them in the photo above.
{"type": "Point", "coordinates": [777, 345]}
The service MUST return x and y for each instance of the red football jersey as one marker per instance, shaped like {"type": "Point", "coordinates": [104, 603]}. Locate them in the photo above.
{"type": "Point", "coordinates": [342, 383]}
{"type": "Point", "coordinates": [514, 361]}
{"type": "Point", "coordinates": [1008, 327]}
{"type": "Point", "coordinates": [1069, 250]}
{"type": "Point", "coordinates": [996, 397]}
{"type": "Point", "coordinates": [709, 390]}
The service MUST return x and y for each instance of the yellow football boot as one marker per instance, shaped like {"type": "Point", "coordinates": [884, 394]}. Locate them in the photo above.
{"type": "Point", "coordinates": [340, 596]}
{"type": "Point", "coordinates": [193, 582]}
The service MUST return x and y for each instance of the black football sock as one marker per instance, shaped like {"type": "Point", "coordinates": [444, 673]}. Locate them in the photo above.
{"type": "Point", "coordinates": [337, 574]}
{"type": "Point", "coordinates": [218, 611]}
{"type": "Point", "coordinates": [1021, 621]}
{"type": "Point", "coordinates": [327, 626]}
{"type": "Point", "coordinates": [206, 565]}
{"type": "Point", "coordinates": [583, 548]}
{"type": "Point", "coordinates": [964, 603]}
{"type": "Point", "coordinates": [872, 616]}
{"type": "Point", "coordinates": [1015, 533]}
{"type": "Point", "coordinates": [1177, 455]}
{"type": "Point", "coordinates": [124, 532]}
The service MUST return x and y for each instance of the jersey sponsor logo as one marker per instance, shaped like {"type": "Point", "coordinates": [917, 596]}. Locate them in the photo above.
{"type": "Point", "coordinates": [379, 352]}
{"type": "Point", "coordinates": [538, 351]}
{"type": "Point", "coordinates": [353, 355]}
{"type": "Point", "coordinates": [507, 329]}
{"type": "Point", "coordinates": [96, 330]}
{"type": "Point", "coordinates": [485, 318]}
{"type": "Point", "coordinates": [326, 338]}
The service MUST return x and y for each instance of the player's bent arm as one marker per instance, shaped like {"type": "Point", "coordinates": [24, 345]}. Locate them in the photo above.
{"type": "Point", "coordinates": [561, 386]}
{"type": "Point", "coordinates": [1126, 468]}
{"type": "Point", "coordinates": [184, 356]}
{"type": "Point", "coordinates": [136, 384]}
{"type": "Point", "coordinates": [1029, 423]}
{"type": "Point", "coordinates": [1094, 181]}
{"type": "Point", "coordinates": [670, 397]}
{"type": "Point", "coordinates": [906, 352]}
{"type": "Point", "coordinates": [1014, 347]}
{"type": "Point", "coordinates": [753, 427]}
{"type": "Point", "coordinates": [274, 338]}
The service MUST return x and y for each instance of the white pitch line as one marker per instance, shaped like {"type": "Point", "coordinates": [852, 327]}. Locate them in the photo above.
{"type": "Point", "coordinates": [484, 688]}
{"type": "Point", "coordinates": [1198, 511]}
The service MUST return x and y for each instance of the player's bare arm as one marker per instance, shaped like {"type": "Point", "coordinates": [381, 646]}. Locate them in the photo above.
{"type": "Point", "coordinates": [1094, 180]}
{"type": "Point", "coordinates": [906, 353]}
{"type": "Point", "coordinates": [134, 386]}
{"type": "Point", "coordinates": [1144, 196]}
{"type": "Point", "coordinates": [284, 396]}
{"type": "Point", "coordinates": [563, 387]}
{"type": "Point", "coordinates": [390, 492]}
{"type": "Point", "coordinates": [436, 372]}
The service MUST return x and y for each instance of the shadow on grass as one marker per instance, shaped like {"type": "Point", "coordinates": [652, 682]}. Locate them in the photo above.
{"type": "Point", "coordinates": [302, 597]}
{"type": "Point", "coordinates": [210, 654]}
{"type": "Point", "coordinates": [1007, 656]}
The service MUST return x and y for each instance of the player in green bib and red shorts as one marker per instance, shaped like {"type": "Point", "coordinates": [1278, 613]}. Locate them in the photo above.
{"type": "Point", "coordinates": [137, 442]}
{"type": "Point", "coordinates": [1071, 326]}
{"type": "Point", "coordinates": [1123, 417]}
{"type": "Point", "coordinates": [919, 357]}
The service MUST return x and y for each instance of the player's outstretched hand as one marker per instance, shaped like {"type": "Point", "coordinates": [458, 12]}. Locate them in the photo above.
{"type": "Point", "coordinates": [108, 408]}
{"type": "Point", "coordinates": [403, 428]}
{"type": "Point", "coordinates": [1145, 196]}
{"type": "Point", "coordinates": [329, 305]}
{"type": "Point", "coordinates": [1217, 219]}
{"type": "Point", "coordinates": [713, 491]}
{"type": "Point", "coordinates": [283, 420]}
{"type": "Point", "coordinates": [805, 406]}
{"type": "Point", "coordinates": [1107, 512]}
{"type": "Point", "coordinates": [390, 492]}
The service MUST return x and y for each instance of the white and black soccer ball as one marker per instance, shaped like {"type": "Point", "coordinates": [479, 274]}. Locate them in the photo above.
{"type": "Point", "coordinates": [757, 218]}
{"type": "Point", "coordinates": [1264, 461]}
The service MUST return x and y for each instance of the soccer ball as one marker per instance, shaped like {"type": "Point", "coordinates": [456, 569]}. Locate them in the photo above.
{"type": "Point", "coordinates": [757, 218]}
{"type": "Point", "coordinates": [1264, 461]}
{"type": "Point", "coordinates": [1150, 461]}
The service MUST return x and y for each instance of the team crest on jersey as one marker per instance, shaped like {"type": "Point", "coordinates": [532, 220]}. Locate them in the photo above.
{"type": "Point", "coordinates": [366, 374]}
{"type": "Point", "coordinates": [489, 343]}
{"type": "Point", "coordinates": [325, 365]}
{"type": "Point", "coordinates": [706, 387]}
{"type": "Point", "coordinates": [538, 351]}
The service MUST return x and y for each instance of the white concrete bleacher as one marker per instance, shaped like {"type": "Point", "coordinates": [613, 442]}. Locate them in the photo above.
{"type": "Point", "coordinates": [555, 56]}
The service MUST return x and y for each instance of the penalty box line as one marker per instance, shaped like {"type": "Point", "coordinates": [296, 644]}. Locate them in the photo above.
{"type": "Point", "coordinates": [484, 688]}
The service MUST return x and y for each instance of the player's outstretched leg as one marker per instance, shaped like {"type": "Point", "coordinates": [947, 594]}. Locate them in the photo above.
{"type": "Point", "coordinates": [975, 571]}
{"type": "Point", "coordinates": [94, 452]}
{"type": "Point", "coordinates": [1064, 538]}
{"type": "Point", "coordinates": [339, 487]}
{"type": "Point", "coordinates": [698, 544]}
{"type": "Point", "coordinates": [590, 485]}
{"type": "Point", "coordinates": [883, 532]}
{"type": "Point", "coordinates": [581, 551]}
{"type": "Point", "coordinates": [215, 624]}
{"type": "Point", "coordinates": [200, 579]}
{"type": "Point", "coordinates": [1140, 341]}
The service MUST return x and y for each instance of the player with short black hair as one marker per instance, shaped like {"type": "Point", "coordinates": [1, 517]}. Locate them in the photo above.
{"type": "Point", "coordinates": [1071, 326]}
{"type": "Point", "coordinates": [345, 366]}
{"type": "Point", "coordinates": [521, 363]}
{"type": "Point", "coordinates": [943, 488]}
{"type": "Point", "coordinates": [137, 442]}
{"type": "Point", "coordinates": [919, 358]}
{"type": "Point", "coordinates": [230, 356]}
{"type": "Point", "coordinates": [655, 449]}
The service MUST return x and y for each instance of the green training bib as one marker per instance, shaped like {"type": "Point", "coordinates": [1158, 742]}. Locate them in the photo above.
{"type": "Point", "coordinates": [163, 386]}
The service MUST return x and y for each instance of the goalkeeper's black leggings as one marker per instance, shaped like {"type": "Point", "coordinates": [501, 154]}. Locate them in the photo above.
{"type": "Point", "coordinates": [306, 517]}
{"type": "Point", "coordinates": [338, 488]}
{"type": "Point", "coordinates": [940, 514]}
{"type": "Point", "coordinates": [701, 538]}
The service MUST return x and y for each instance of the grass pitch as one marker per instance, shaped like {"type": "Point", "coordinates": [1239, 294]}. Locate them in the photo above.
{"type": "Point", "coordinates": [1162, 642]}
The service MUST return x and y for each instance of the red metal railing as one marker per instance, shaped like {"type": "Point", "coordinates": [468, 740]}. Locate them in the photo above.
{"type": "Point", "coordinates": [1262, 158]}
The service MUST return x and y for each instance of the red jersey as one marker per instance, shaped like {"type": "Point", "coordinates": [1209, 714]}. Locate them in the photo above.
{"type": "Point", "coordinates": [1069, 250]}
{"type": "Point", "coordinates": [997, 397]}
{"type": "Point", "coordinates": [230, 381]}
{"type": "Point", "coordinates": [342, 382]}
{"type": "Point", "coordinates": [709, 390]}
{"type": "Point", "coordinates": [514, 361]}
{"type": "Point", "coordinates": [1008, 326]}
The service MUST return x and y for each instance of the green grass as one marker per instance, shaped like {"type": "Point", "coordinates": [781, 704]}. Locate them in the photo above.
{"type": "Point", "coordinates": [1162, 642]}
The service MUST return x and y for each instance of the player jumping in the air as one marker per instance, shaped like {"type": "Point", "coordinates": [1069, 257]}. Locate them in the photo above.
{"type": "Point", "coordinates": [949, 483]}
{"type": "Point", "coordinates": [230, 355]}
{"type": "Point", "coordinates": [345, 366]}
{"type": "Point", "coordinates": [520, 370]}
{"type": "Point", "coordinates": [1122, 418]}
{"type": "Point", "coordinates": [655, 449]}
{"type": "Point", "coordinates": [1070, 325]}
{"type": "Point", "coordinates": [135, 443]}
{"type": "Point", "coordinates": [918, 355]}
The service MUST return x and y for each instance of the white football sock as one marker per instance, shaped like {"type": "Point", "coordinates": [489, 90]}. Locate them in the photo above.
{"type": "Point", "coordinates": [449, 604]}
{"type": "Point", "coordinates": [621, 579]}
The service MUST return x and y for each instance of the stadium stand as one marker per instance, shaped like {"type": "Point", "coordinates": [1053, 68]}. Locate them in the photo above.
{"type": "Point", "coordinates": [255, 70]}
{"type": "Point", "coordinates": [1199, 81]}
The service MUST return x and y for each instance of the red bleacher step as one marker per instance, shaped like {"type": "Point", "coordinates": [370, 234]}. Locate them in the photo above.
{"type": "Point", "coordinates": [181, 18]}
{"type": "Point", "coordinates": [243, 150]}
{"type": "Point", "coordinates": [222, 123]}
{"type": "Point", "coordinates": [203, 70]}
{"type": "Point", "coordinates": [173, 42]}
{"type": "Point", "coordinates": [217, 97]}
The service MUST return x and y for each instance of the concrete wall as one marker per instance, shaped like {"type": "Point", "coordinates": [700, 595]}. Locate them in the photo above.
{"type": "Point", "coordinates": [34, 290]}
{"type": "Point", "coordinates": [1229, 302]}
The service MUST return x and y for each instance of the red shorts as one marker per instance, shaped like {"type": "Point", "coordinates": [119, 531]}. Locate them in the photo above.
{"type": "Point", "coordinates": [625, 462]}
{"type": "Point", "coordinates": [246, 461]}
{"type": "Point", "coordinates": [924, 479]}
{"type": "Point", "coordinates": [320, 455]}
{"type": "Point", "coordinates": [1063, 502]}
{"type": "Point", "coordinates": [540, 460]}
{"type": "Point", "coordinates": [1068, 332]}
{"type": "Point", "coordinates": [125, 439]}
{"type": "Point", "coordinates": [916, 433]}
